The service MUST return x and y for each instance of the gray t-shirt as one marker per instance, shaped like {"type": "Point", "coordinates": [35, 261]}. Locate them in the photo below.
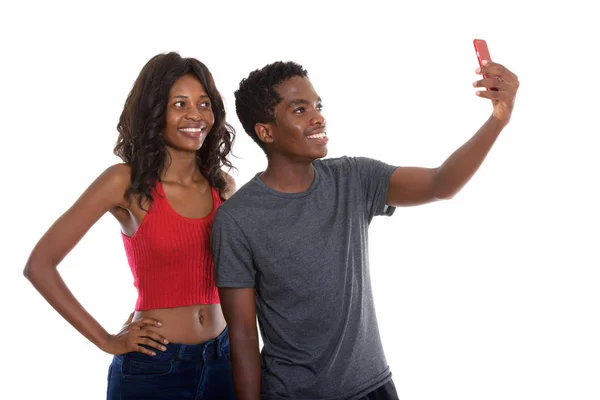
{"type": "Point", "coordinates": [306, 255]}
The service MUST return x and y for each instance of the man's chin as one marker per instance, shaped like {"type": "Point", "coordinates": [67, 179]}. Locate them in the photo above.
{"type": "Point", "coordinates": [320, 154]}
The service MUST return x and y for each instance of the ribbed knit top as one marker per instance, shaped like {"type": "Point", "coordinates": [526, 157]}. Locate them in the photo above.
{"type": "Point", "coordinates": [170, 256]}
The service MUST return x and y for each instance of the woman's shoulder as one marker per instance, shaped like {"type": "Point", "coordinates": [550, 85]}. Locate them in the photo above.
{"type": "Point", "coordinates": [118, 176]}
{"type": "Point", "coordinates": [231, 185]}
{"type": "Point", "coordinates": [115, 180]}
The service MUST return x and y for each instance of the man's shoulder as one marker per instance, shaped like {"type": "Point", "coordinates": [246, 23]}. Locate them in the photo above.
{"type": "Point", "coordinates": [334, 164]}
{"type": "Point", "coordinates": [333, 161]}
{"type": "Point", "coordinates": [343, 167]}
{"type": "Point", "coordinates": [341, 162]}
{"type": "Point", "coordinates": [246, 195]}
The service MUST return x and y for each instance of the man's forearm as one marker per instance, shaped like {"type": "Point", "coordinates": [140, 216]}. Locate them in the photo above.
{"type": "Point", "coordinates": [458, 169]}
{"type": "Point", "coordinates": [245, 365]}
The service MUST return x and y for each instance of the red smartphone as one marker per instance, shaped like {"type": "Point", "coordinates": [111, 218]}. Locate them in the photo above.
{"type": "Point", "coordinates": [481, 49]}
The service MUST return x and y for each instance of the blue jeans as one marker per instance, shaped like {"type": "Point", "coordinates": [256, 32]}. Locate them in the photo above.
{"type": "Point", "coordinates": [195, 372]}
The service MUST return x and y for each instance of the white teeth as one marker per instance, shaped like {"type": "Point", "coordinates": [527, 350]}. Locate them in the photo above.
{"type": "Point", "coordinates": [192, 129]}
{"type": "Point", "coordinates": [318, 136]}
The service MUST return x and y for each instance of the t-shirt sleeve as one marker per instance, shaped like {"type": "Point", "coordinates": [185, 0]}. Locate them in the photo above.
{"type": "Point", "coordinates": [375, 179]}
{"type": "Point", "coordinates": [234, 265]}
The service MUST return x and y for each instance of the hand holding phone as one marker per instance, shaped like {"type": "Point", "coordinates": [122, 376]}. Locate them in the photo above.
{"type": "Point", "coordinates": [501, 83]}
{"type": "Point", "coordinates": [481, 49]}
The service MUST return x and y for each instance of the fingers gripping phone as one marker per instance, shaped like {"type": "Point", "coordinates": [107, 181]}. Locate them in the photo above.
{"type": "Point", "coordinates": [481, 49]}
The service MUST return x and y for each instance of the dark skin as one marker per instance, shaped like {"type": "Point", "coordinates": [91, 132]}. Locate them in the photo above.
{"type": "Point", "coordinates": [290, 152]}
{"type": "Point", "coordinates": [189, 119]}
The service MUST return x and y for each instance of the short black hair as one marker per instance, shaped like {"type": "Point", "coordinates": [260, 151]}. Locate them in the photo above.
{"type": "Point", "coordinates": [257, 97]}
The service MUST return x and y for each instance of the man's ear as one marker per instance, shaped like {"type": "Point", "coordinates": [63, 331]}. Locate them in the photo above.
{"type": "Point", "coordinates": [264, 132]}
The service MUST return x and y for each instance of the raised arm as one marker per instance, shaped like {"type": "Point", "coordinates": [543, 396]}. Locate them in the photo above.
{"type": "Point", "coordinates": [239, 309]}
{"type": "Point", "coordinates": [104, 194]}
{"type": "Point", "coordinates": [413, 185]}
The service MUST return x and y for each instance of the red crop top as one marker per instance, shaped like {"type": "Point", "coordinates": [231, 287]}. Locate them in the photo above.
{"type": "Point", "coordinates": [170, 256]}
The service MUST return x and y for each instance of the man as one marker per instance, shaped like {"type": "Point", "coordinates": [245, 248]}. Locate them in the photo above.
{"type": "Point", "coordinates": [291, 245]}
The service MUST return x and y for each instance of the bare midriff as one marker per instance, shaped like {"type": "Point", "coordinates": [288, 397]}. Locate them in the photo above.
{"type": "Point", "coordinates": [187, 325]}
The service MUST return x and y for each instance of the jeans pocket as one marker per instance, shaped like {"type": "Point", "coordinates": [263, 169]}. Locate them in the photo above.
{"type": "Point", "coordinates": [146, 367]}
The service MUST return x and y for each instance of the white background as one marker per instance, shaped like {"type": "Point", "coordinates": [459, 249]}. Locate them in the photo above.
{"type": "Point", "coordinates": [492, 295]}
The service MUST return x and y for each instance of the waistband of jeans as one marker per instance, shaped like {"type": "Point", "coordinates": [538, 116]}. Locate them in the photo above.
{"type": "Point", "coordinates": [209, 350]}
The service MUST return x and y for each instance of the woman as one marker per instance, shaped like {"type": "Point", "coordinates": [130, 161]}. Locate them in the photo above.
{"type": "Point", "coordinates": [173, 140]}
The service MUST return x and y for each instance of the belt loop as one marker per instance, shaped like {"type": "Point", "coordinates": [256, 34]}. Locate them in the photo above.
{"type": "Point", "coordinates": [204, 348]}
{"type": "Point", "coordinates": [219, 347]}
{"type": "Point", "coordinates": [180, 351]}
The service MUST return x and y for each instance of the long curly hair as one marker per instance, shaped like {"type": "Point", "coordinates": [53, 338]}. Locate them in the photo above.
{"type": "Point", "coordinates": [141, 126]}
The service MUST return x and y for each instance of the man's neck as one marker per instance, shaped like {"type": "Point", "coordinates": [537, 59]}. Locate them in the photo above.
{"type": "Point", "coordinates": [288, 176]}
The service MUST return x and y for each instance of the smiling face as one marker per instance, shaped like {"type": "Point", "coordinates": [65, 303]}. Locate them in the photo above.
{"type": "Point", "coordinates": [189, 116]}
{"type": "Point", "coordinates": [299, 130]}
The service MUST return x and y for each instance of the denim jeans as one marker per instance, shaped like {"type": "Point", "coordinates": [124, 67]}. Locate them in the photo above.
{"type": "Point", "coordinates": [196, 372]}
{"type": "Point", "coordinates": [385, 392]}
